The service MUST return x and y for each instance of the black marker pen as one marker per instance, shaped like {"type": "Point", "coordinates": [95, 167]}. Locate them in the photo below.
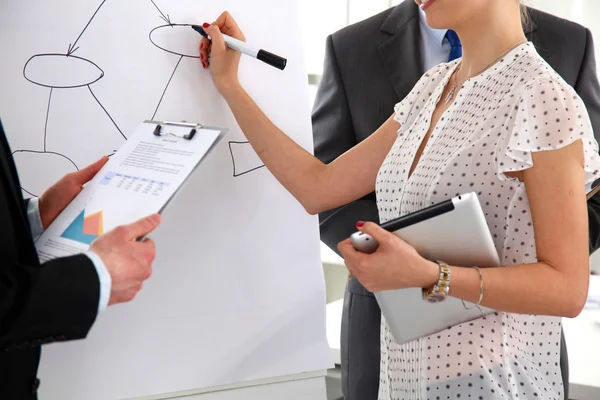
{"type": "Point", "coordinates": [235, 44]}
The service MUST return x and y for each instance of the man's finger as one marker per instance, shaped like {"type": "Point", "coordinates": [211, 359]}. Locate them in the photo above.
{"type": "Point", "coordinates": [142, 227]}
{"type": "Point", "coordinates": [149, 249]}
{"type": "Point", "coordinates": [85, 175]}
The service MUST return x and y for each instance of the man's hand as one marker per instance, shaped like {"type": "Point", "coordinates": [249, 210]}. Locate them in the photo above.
{"type": "Point", "coordinates": [59, 195]}
{"type": "Point", "coordinates": [128, 262]}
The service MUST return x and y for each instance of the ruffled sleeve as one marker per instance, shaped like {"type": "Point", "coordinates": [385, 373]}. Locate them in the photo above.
{"type": "Point", "coordinates": [548, 115]}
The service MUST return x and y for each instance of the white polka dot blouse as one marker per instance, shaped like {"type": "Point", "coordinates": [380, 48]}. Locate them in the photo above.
{"type": "Point", "coordinates": [498, 119]}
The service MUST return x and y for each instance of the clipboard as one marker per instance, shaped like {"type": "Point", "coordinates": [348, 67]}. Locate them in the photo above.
{"type": "Point", "coordinates": [158, 131]}
{"type": "Point", "coordinates": [161, 129]}
{"type": "Point", "coordinates": [142, 177]}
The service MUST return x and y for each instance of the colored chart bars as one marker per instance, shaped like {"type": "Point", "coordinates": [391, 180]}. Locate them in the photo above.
{"type": "Point", "coordinates": [85, 229]}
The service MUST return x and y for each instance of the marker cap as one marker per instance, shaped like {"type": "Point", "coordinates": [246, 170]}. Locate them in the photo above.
{"type": "Point", "coordinates": [272, 59]}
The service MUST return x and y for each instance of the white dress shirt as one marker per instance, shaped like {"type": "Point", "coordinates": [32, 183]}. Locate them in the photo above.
{"type": "Point", "coordinates": [435, 48]}
{"type": "Point", "coordinates": [35, 221]}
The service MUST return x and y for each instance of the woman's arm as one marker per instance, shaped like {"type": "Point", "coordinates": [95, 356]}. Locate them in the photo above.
{"type": "Point", "coordinates": [317, 186]}
{"type": "Point", "coordinates": [556, 285]}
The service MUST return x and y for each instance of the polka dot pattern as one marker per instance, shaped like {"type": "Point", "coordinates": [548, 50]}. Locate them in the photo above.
{"type": "Point", "coordinates": [498, 119]}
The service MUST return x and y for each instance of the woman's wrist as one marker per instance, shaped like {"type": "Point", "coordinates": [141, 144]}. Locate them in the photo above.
{"type": "Point", "coordinates": [431, 274]}
{"type": "Point", "coordinates": [230, 89]}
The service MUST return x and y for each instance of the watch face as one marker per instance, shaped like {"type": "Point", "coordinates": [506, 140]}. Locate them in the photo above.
{"type": "Point", "coordinates": [436, 298]}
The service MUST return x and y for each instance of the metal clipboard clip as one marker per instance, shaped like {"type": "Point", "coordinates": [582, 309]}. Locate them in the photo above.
{"type": "Point", "coordinates": [158, 131]}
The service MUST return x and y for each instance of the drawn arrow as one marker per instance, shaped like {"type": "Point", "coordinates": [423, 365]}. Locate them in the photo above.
{"type": "Point", "coordinates": [72, 49]}
{"type": "Point", "coordinates": [165, 18]}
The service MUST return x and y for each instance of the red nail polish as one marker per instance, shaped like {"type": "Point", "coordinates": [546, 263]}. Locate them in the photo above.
{"type": "Point", "coordinates": [360, 224]}
{"type": "Point", "coordinates": [202, 58]}
{"type": "Point", "coordinates": [205, 25]}
{"type": "Point", "coordinates": [202, 45]}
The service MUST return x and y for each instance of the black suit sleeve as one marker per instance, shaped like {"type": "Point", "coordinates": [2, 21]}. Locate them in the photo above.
{"type": "Point", "coordinates": [334, 135]}
{"type": "Point", "coordinates": [587, 85]}
{"type": "Point", "coordinates": [588, 88]}
{"type": "Point", "coordinates": [55, 302]}
{"type": "Point", "coordinates": [332, 124]}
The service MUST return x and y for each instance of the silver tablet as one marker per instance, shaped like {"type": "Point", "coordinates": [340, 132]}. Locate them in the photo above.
{"type": "Point", "coordinates": [454, 231]}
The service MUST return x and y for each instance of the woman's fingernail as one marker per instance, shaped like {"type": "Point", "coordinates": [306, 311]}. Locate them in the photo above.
{"type": "Point", "coordinates": [360, 224]}
{"type": "Point", "coordinates": [205, 25]}
{"type": "Point", "coordinates": [202, 57]}
{"type": "Point", "coordinates": [202, 45]}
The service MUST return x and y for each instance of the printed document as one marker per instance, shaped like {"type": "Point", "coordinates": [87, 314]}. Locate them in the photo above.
{"type": "Point", "coordinates": [138, 180]}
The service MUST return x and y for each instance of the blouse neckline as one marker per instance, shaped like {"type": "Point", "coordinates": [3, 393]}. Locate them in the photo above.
{"type": "Point", "coordinates": [497, 67]}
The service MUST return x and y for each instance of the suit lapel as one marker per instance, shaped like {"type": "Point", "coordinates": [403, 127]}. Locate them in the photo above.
{"type": "Point", "coordinates": [401, 51]}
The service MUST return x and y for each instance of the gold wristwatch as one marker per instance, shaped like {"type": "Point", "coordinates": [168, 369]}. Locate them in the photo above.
{"type": "Point", "coordinates": [439, 291]}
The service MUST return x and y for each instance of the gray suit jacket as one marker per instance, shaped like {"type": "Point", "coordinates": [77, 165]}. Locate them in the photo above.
{"type": "Point", "coordinates": [369, 67]}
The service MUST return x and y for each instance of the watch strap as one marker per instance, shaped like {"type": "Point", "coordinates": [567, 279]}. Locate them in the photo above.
{"type": "Point", "coordinates": [442, 287]}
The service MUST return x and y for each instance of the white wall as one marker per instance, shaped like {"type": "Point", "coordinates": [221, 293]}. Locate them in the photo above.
{"type": "Point", "coordinates": [323, 17]}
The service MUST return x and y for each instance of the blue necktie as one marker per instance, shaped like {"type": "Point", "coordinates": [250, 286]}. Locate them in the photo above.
{"type": "Point", "coordinates": [455, 46]}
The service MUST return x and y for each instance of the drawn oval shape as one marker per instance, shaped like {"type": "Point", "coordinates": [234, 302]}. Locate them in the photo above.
{"type": "Point", "coordinates": [39, 170]}
{"type": "Point", "coordinates": [60, 71]}
{"type": "Point", "coordinates": [179, 39]}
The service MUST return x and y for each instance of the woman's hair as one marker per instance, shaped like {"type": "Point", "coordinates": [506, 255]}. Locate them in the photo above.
{"type": "Point", "coordinates": [525, 19]}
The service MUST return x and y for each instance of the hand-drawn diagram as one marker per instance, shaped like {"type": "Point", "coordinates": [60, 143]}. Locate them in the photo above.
{"type": "Point", "coordinates": [57, 71]}
{"type": "Point", "coordinates": [248, 160]}
{"type": "Point", "coordinates": [160, 37]}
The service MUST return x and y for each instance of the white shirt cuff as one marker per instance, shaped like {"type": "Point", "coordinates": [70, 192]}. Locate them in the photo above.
{"type": "Point", "coordinates": [105, 280]}
{"type": "Point", "coordinates": [35, 220]}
